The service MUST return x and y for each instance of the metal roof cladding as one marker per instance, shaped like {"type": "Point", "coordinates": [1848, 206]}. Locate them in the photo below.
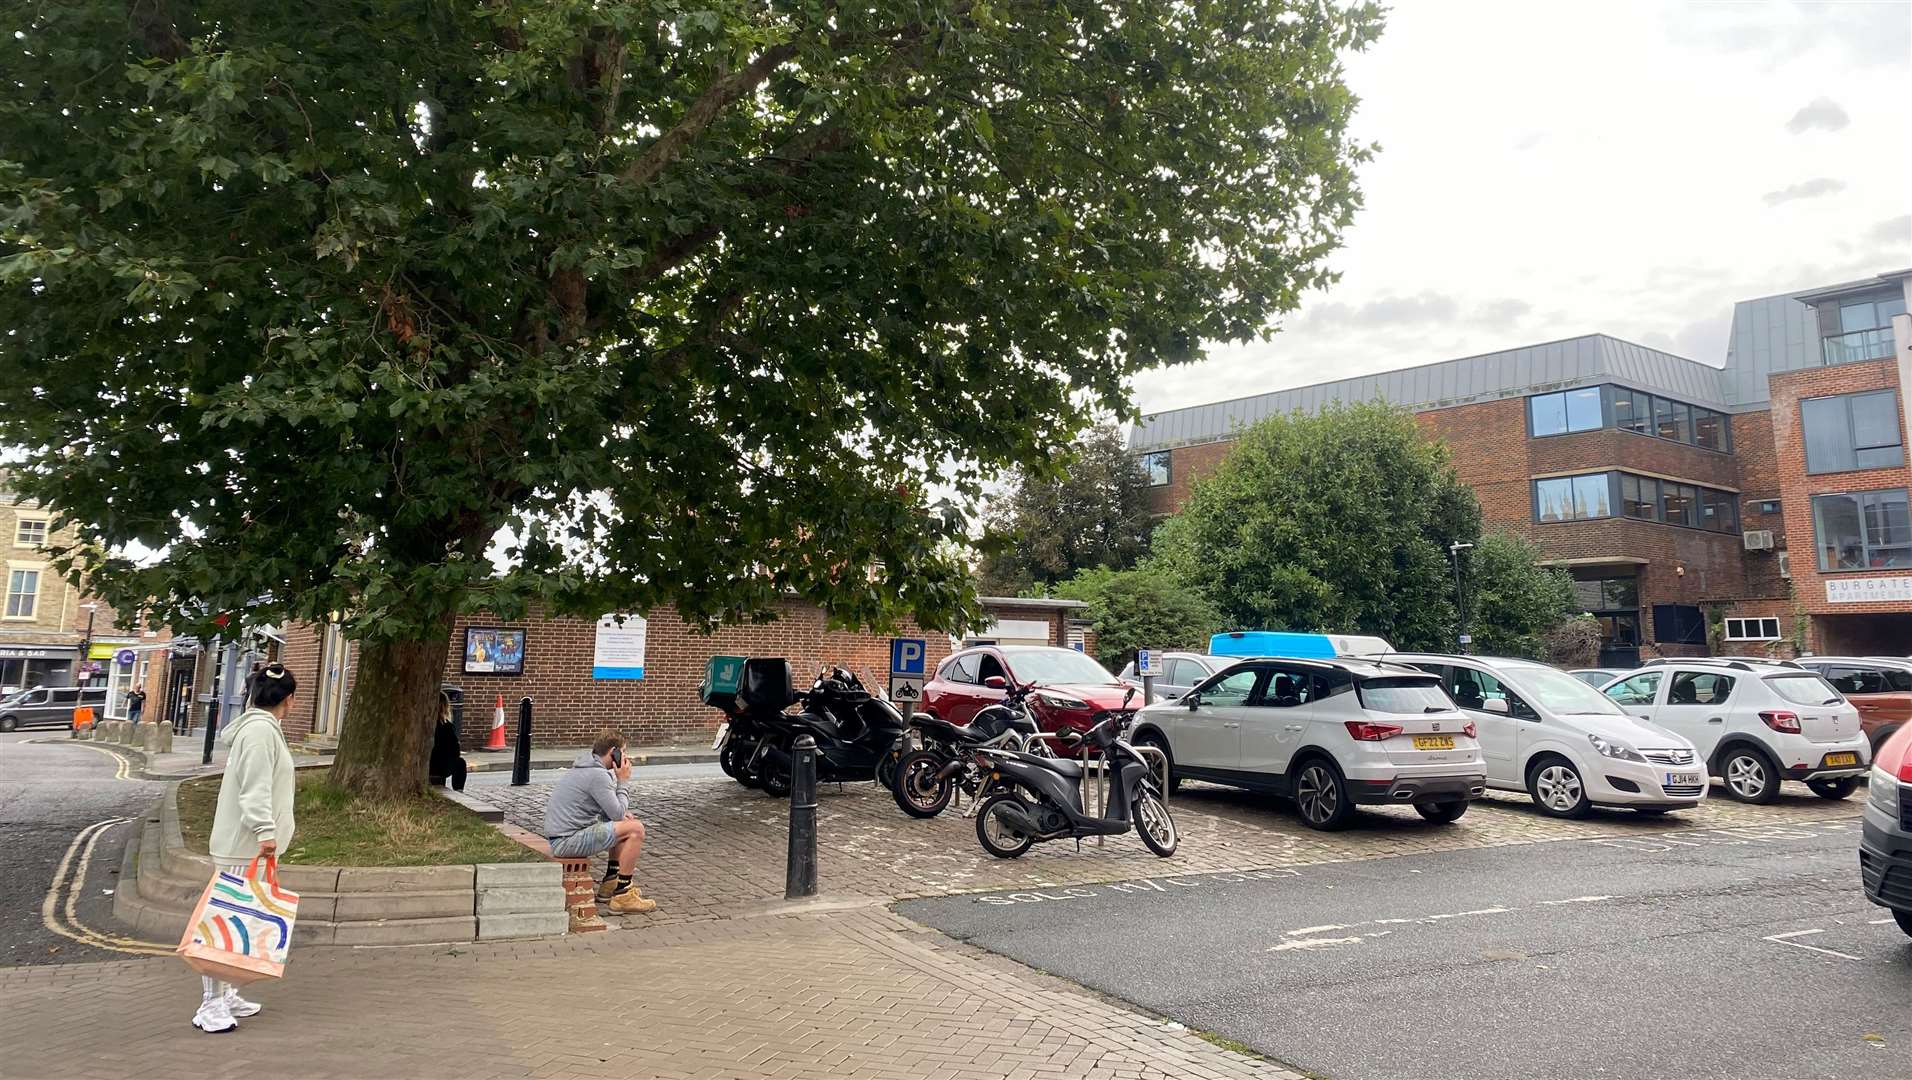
{"type": "Point", "coordinates": [1581, 361]}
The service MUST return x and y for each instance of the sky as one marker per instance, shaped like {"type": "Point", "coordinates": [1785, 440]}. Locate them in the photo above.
{"type": "Point", "coordinates": [1551, 168]}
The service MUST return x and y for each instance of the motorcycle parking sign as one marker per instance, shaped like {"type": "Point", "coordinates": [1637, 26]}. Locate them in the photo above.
{"type": "Point", "coordinates": [906, 688]}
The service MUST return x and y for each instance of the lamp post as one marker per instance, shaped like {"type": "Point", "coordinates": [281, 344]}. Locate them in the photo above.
{"type": "Point", "coordinates": [1463, 638]}
{"type": "Point", "coordinates": [86, 643]}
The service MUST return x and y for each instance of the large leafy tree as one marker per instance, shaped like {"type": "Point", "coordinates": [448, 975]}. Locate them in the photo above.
{"type": "Point", "coordinates": [1144, 608]}
{"type": "Point", "coordinates": [696, 299]}
{"type": "Point", "coordinates": [1339, 521]}
{"type": "Point", "coordinates": [1087, 510]}
{"type": "Point", "coordinates": [1514, 602]}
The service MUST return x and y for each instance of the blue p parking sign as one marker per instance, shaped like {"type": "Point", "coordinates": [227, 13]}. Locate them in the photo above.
{"type": "Point", "coordinates": [908, 656]}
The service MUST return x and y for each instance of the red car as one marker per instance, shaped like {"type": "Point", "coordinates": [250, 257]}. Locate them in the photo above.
{"type": "Point", "coordinates": [1071, 690]}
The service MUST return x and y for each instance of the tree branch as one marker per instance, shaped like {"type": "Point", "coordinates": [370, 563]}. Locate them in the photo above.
{"type": "Point", "coordinates": [704, 112]}
{"type": "Point", "coordinates": [157, 29]}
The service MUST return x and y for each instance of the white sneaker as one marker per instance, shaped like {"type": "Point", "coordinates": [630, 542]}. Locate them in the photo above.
{"type": "Point", "coordinates": [239, 1007]}
{"type": "Point", "coordinates": [214, 1017]}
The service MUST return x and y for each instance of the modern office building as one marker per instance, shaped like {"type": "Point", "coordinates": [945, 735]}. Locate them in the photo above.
{"type": "Point", "coordinates": [1768, 493]}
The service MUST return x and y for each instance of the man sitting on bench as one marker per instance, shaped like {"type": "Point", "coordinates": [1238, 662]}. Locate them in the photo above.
{"type": "Point", "coordinates": [590, 811]}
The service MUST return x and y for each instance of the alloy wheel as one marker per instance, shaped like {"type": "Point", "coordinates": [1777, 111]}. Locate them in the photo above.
{"type": "Point", "coordinates": [1315, 794]}
{"type": "Point", "coordinates": [1746, 775]}
{"type": "Point", "coordinates": [1559, 787]}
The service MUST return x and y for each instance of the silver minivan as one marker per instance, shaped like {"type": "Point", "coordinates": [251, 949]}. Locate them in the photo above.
{"type": "Point", "coordinates": [48, 706]}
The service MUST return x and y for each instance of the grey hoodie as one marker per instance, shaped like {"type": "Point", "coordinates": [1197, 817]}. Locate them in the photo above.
{"type": "Point", "coordinates": [586, 794]}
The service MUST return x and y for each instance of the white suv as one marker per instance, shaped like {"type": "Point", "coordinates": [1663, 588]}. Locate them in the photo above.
{"type": "Point", "coordinates": [1331, 734]}
{"type": "Point", "coordinates": [1753, 724]}
{"type": "Point", "coordinates": [1548, 733]}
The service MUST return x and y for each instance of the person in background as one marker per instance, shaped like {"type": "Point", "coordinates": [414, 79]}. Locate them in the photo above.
{"type": "Point", "coordinates": [135, 704]}
{"type": "Point", "coordinates": [254, 813]}
{"type": "Point", "coordinates": [446, 763]}
{"type": "Point", "coordinates": [590, 811]}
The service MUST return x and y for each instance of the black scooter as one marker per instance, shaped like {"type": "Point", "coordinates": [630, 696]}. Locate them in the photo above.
{"type": "Point", "coordinates": [853, 728]}
{"type": "Point", "coordinates": [1044, 797]}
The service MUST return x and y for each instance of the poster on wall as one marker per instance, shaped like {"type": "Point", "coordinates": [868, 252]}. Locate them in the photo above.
{"type": "Point", "coordinates": [492, 651]}
{"type": "Point", "coordinates": [620, 647]}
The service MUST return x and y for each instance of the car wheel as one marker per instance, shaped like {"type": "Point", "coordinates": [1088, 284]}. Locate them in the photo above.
{"type": "Point", "coordinates": [1445, 812]}
{"type": "Point", "coordinates": [1904, 919]}
{"type": "Point", "coordinates": [1557, 788]}
{"type": "Point", "coordinates": [1834, 789]}
{"type": "Point", "coordinates": [1751, 776]}
{"type": "Point", "coordinates": [1321, 796]}
{"type": "Point", "coordinates": [1154, 740]}
{"type": "Point", "coordinates": [8, 723]}
{"type": "Point", "coordinates": [1880, 735]}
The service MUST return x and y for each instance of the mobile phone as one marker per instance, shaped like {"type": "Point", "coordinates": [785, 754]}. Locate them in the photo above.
{"type": "Point", "coordinates": [617, 758]}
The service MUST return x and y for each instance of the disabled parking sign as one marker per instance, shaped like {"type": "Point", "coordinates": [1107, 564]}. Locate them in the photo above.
{"type": "Point", "coordinates": [908, 656]}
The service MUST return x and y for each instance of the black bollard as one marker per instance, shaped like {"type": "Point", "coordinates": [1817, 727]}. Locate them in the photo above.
{"type": "Point", "coordinates": [212, 728]}
{"type": "Point", "coordinates": [521, 754]}
{"type": "Point", "coordinates": [800, 870]}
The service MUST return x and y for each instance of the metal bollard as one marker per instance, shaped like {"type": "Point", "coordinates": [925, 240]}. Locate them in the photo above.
{"type": "Point", "coordinates": [212, 728]}
{"type": "Point", "coordinates": [1148, 689]}
{"type": "Point", "coordinates": [800, 869]}
{"type": "Point", "coordinates": [521, 754]}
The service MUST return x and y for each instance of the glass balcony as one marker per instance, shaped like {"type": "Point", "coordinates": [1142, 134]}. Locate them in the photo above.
{"type": "Point", "coordinates": [1859, 345]}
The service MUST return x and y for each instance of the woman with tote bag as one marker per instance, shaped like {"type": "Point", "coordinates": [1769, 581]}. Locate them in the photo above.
{"type": "Point", "coordinates": [254, 815]}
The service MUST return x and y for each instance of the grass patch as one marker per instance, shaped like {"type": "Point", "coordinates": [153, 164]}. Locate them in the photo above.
{"type": "Point", "coordinates": [336, 828]}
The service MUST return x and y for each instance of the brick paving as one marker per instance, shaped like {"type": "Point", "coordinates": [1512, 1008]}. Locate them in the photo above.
{"type": "Point", "coordinates": [714, 850]}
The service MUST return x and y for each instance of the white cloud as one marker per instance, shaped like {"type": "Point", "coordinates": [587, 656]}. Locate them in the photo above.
{"type": "Point", "coordinates": [1824, 114]}
{"type": "Point", "coordinates": [1604, 165]}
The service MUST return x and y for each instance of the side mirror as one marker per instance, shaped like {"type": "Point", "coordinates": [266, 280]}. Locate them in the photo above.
{"type": "Point", "coordinates": [1192, 699]}
{"type": "Point", "coordinates": [996, 682]}
{"type": "Point", "coordinates": [1497, 706]}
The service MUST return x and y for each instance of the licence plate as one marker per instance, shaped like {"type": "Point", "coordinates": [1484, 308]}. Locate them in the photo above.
{"type": "Point", "coordinates": [1842, 759]}
{"type": "Point", "coordinates": [1433, 742]}
{"type": "Point", "coordinates": [1682, 779]}
{"type": "Point", "coordinates": [723, 729]}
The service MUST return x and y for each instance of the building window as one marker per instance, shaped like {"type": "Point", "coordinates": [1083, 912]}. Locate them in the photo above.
{"type": "Point", "coordinates": [1640, 497]}
{"type": "Point", "coordinates": [1867, 530]}
{"type": "Point", "coordinates": [1632, 410]}
{"type": "Point", "coordinates": [1607, 594]}
{"type": "Point", "coordinates": [23, 593]}
{"type": "Point", "coordinates": [1752, 629]}
{"type": "Point", "coordinates": [1565, 412]}
{"type": "Point", "coordinates": [1156, 465]}
{"type": "Point", "coordinates": [1719, 512]}
{"type": "Point", "coordinates": [29, 533]}
{"type": "Point", "coordinates": [1573, 498]}
{"type": "Point", "coordinates": [1676, 505]}
{"type": "Point", "coordinates": [1852, 431]}
{"type": "Point", "coordinates": [1865, 330]}
{"type": "Point", "coordinates": [1766, 506]}
{"type": "Point", "coordinates": [1709, 430]}
{"type": "Point", "coordinates": [1670, 420]}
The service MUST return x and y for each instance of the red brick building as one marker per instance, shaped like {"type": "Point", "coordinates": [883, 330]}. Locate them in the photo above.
{"type": "Point", "coordinates": [571, 703]}
{"type": "Point", "coordinates": [1765, 499]}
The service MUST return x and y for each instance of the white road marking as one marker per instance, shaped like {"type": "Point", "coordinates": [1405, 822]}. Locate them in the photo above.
{"type": "Point", "coordinates": [1577, 900]}
{"type": "Point", "coordinates": [1879, 922]}
{"type": "Point", "coordinates": [1784, 939]}
{"type": "Point", "coordinates": [1465, 914]}
{"type": "Point", "coordinates": [1315, 929]}
{"type": "Point", "coordinates": [1314, 943]}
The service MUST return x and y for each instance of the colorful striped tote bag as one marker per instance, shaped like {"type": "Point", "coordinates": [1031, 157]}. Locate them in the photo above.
{"type": "Point", "coordinates": [242, 927]}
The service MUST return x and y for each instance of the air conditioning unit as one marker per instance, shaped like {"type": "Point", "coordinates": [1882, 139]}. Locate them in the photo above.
{"type": "Point", "coordinates": [1757, 539]}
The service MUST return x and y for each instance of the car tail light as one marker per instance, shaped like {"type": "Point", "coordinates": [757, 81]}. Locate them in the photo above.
{"type": "Point", "coordinates": [1780, 720]}
{"type": "Point", "coordinates": [1469, 730]}
{"type": "Point", "coordinates": [1366, 732]}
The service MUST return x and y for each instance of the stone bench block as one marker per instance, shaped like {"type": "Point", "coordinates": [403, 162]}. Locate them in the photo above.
{"type": "Point", "coordinates": [371, 907]}
{"type": "Point", "coordinates": [522, 925]}
{"type": "Point", "coordinates": [406, 931]}
{"type": "Point", "coordinates": [529, 898]}
{"type": "Point", "coordinates": [397, 879]}
{"type": "Point", "coordinates": [519, 875]}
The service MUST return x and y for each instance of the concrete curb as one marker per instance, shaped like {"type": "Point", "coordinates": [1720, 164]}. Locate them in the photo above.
{"type": "Point", "coordinates": [161, 882]}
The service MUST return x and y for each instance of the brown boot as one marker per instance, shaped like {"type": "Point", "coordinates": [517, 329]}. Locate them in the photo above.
{"type": "Point", "coordinates": [632, 902]}
{"type": "Point", "coordinates": [607, 888]}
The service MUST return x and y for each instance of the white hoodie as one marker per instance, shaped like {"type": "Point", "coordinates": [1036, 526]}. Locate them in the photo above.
{"type": "Point", "coordinates": [255, 795]}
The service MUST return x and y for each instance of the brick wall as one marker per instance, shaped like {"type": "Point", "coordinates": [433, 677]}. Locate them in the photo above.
{"type": "Point", "coordinates": [1187, 464]}
{"type": "Point", "coordinates": [1796, 488]}
{"type": "Point", "coordinates": [1759, 481]}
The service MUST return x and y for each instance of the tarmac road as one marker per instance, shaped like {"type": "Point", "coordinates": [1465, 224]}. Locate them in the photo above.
{"type": "Point", "coordinates": [1746, 952]}
{"type": "Point", "coordinates": [51, 799]}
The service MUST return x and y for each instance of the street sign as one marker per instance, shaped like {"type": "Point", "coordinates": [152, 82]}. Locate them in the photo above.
{"type": "Point", "coordinates": [124, 658]}
{"type": "Point", "coordinates": [906, 688]}
{"type": "Point", "coordinates": [724, 674]}
{"type": "Point", "coordinates": [1467, 639]}
{"type": "Point", "coordinates": [1145, 662]}
{"type": "Point", "coordinates": [908, 656]}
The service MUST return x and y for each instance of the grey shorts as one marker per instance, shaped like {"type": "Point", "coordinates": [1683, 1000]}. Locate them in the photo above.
{"type": "Point", "coordinates": [586, 841]}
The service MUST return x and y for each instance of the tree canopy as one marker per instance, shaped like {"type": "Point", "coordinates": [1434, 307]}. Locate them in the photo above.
{"type": "Point", "coordinates": [1087, 511]}
{"type": "Point", "coordinates": [1144, 608]}
{"type": "Point", "coordinates": [1514, 601]}
{"type": "Point", "coordinates": [698, 300]}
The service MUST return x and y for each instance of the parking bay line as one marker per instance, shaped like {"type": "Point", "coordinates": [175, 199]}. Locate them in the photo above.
{"type": "Point", "coordinates": [1785, 939]}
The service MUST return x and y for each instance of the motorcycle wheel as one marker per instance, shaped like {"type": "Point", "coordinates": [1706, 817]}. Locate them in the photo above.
{"type": "Point", "coordinates": [918, 792]}
{"type": "Point", "coordinates": [776, 782]}
{"type": "Point", "coordinates": [888, 769]}
{"type": "Point", "coordinates": [1154, 825]}
{"type": "Point", "coordinates": [735, 759]}
{"type": "Point", "coordinates": [998, 837]}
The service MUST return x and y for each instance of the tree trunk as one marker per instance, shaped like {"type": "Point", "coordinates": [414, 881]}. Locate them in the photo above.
{"type": "Point", "coordinates": [386, 741]}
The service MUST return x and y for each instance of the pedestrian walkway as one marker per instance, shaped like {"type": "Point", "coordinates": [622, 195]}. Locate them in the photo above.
{"type": "Point", "coordinates": [862, 995]}
{"type": "Point", "coordinates": [185, 760]}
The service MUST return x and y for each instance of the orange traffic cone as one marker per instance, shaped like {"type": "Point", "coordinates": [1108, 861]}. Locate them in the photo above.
{"type": "Point", "coordinates": [497, 741]}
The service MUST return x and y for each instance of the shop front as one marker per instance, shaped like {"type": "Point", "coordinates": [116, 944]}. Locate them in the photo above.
{"type": "Point", "coordinates": [25, 665]}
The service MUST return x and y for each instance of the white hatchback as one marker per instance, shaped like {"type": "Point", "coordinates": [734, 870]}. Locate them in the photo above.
{"type": "Point", "coordinates": [1331, 734]}
{"type": "Point", "coordinates": [1753, 724]}
{"type": "Point", "coordinates": [1547, 733]}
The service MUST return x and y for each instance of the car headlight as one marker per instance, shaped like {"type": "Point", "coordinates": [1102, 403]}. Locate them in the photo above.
{"type": "Point", "coordinates": [1060, 702]}
{"type": "Point", "coordinates": [1882, 791]}
{"type": "Point", "coordinates": [1619, 750]}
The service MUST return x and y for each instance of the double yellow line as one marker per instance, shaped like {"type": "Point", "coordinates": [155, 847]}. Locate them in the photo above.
{"type": "Point", "coordinates": [124, 769]}
{"type": "Point", "coordinates": [60, 911]}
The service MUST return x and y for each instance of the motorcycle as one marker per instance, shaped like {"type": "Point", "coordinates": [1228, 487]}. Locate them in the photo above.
{"type": "Point", "coordinates": [1041, 798]}
{"type": "Point", "coordinates": [763, 692]}
{"type": "Point", "coordinates": [853, 728]}
{"type": "Point", "coordinates": [935, 758]}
